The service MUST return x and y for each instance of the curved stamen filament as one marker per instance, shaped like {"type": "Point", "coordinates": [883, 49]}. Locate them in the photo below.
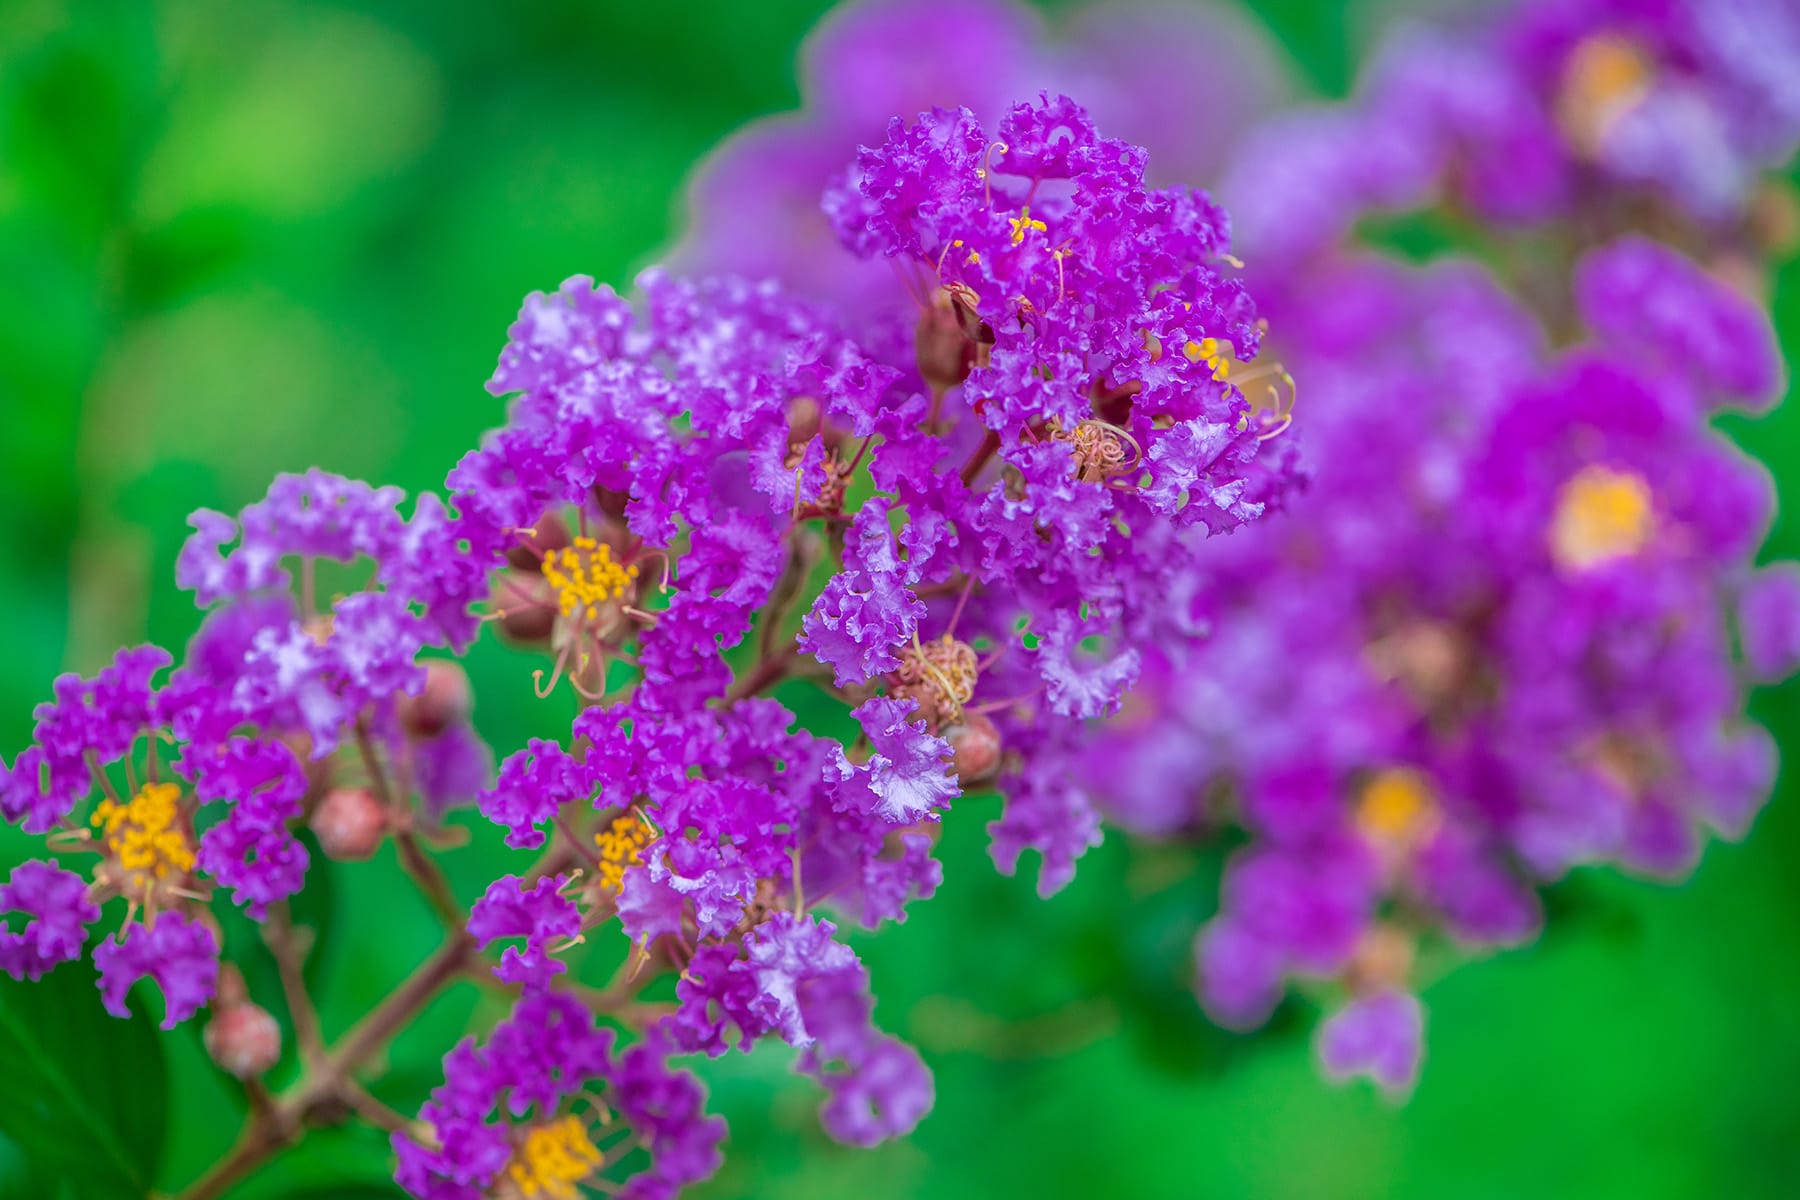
{"type": "Point", "coordinates": [582, 689]}
{"type": "Point", "coordinates": [538, 686]}
{"type": "Point", "coordinates": [1277, 412]}
{"type": "Point", "coordinates": [986, 170]}
{"type": "Point", "coordinates": [1100, 449]}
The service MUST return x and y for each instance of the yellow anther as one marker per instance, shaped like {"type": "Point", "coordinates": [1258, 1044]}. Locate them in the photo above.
{"type": "Point", "coordinates": [585, 577]}
{"type": "Point", "coordinates": [144, 834]}
{"type": "Point", "coordinates": [1601, 515]}
{"type": "Point", "coordinates": [1396, 808]}
{"type": "Point", "coordinates": [1605, 77]}
{"type": "Point", "coordinates": [1207, 350]}
{"type": "Point", "coordinates": [1024, 223]}
{"type": "Point", "coordinates": [554, 1158]}
{"type": "Point", "coordinates": [622, 846]}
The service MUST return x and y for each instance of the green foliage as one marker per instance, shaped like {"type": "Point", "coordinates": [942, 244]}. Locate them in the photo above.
{"type": "Point", "coordinates": [85, 1093]}
{"type": "Point", "coordinates": [242, 238]}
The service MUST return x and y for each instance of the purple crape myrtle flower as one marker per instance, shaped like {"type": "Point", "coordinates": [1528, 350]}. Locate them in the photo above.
{"type": "Point", "coordinates": [344, 685]}
{"type": "Point", "coordinates": [323, 674]}
{"type": "Point", "coordinates": [58, 913]}
{"type": "Point", "coordinates": [211, 808]}
{"type": "Point", "coordinates": [1078, 427]}
{"type": "Point", "coordinates": [1380, 1036]}
{"type": "Point", "coordinates": [179, 954]}
{"type": "Point", "coordinates": [1694, 100]}
{"type": "Point", "coordinates": [1605, 114]}
{"type": "Point", "coordinates": [541, 914]}
{"type": "Point", "coordinates": [1647, 301]}
{"type": "Point", "coordinates": [904, 778]}
{"type": "Point", "coordinates": [796, 982]}
{"type": "Point", "coordinates": [549, 1105]}
{"type": "Point", "coordinates": [1493, 643]}
{"type": "Point", "coordinates": [753, 204]}
{"type": "Point", "coordinates": [708, 489]}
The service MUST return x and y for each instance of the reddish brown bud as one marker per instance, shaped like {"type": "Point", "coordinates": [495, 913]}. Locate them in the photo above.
{"type": "Point", "coordinates": [349, 823]}
{"type": "Point", "coordinates": [445, 700]}
{"type": "Point", "coordinates": [976, 748]}
{"type": "Point", "coordinates": [805, 418]}
{"type": "Point", "coordinates": [243, 1039]}
{"type": "Point", "coordinates": [550, 533]}
{"type": "Point", "coordinates": [950, 338]}
{"type": "Point", "coordinates": [527, 605]}
{"type": "Point", "coordinates": [612, 503]}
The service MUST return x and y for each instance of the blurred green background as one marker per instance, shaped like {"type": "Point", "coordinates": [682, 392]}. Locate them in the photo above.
{"type": "Point", "coordinates": [240, 238]}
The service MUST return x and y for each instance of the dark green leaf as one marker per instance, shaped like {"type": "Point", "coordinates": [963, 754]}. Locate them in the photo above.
{"type": "Point", "coordinates": [86, 1093]}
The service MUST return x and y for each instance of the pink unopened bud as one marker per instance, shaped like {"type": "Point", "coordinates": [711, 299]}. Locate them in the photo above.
{"type": "Point", "coordinates": [445, 700]}
{"type": "Point", "coordinates": [976, 747]}
{"type": "Point", "coordinates": [349, 824]}
{"type": "Point", "coordinates": [243, 1039]}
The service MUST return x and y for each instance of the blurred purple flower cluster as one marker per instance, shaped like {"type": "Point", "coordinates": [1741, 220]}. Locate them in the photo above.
{"type": "Point", "coordinates": [950, 449]}
{"type": "Point", "coordinates": [1509, 627]}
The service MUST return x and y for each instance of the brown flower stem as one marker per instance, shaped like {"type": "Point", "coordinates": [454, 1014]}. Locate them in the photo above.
{"type": "Point", "coordinates": [990, 442]}
{"type": "Point", "coordinates": [430, 881]}
{"type": "Point", "coordinates": [278, 936]}
{"type": "Point", "coordinates": [418, 865]}
{"type": "Point", "coordinates": [375, 1030]}
{"type": "Point", "coordinates": [326, 1092]}
{"type": "Point", "coordinates": [782, 597]}
{"type": "Point", "coordinates": [769, 670]}
{"type": "Point", "coordinates": [372, 1110]}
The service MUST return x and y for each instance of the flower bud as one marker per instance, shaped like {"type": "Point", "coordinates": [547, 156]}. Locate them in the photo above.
{"type": "Point", "coordinates": [243, 1039]}
{"type": "Point", "coordinates": [805, 419]}
{"type": "Point", "coordinates": [975, 743]}
{"type": "Point", "coordinates": [950, 339]}
{"type": "Point", "coordinates": [349, 823]}
{"type": "Point", "coordinates": [445, 700]}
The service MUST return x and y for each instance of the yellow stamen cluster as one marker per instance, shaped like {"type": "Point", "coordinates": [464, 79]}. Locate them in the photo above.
{"type": "Point", "coordinates": [1601, 515]}
{"type": "Point", "coordinates": [144, 834]}
{"type": "Point", "coordinates": [1605, 77]}
{"type": "Point", "coordinates": [1207, 350]}
{"type": "Point", "coordinates": [552, 1159]}
{"type": "Point", "coordinates": [940, 675]}
{"type": "Point", "coordinates": [1396, 808]}
{"type": "Point", "coordinates": [585, 577]}
{"type": "Point", "coordinates": [622, 846]}
{"type": "Point", "coordinates": [1023, 224]}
